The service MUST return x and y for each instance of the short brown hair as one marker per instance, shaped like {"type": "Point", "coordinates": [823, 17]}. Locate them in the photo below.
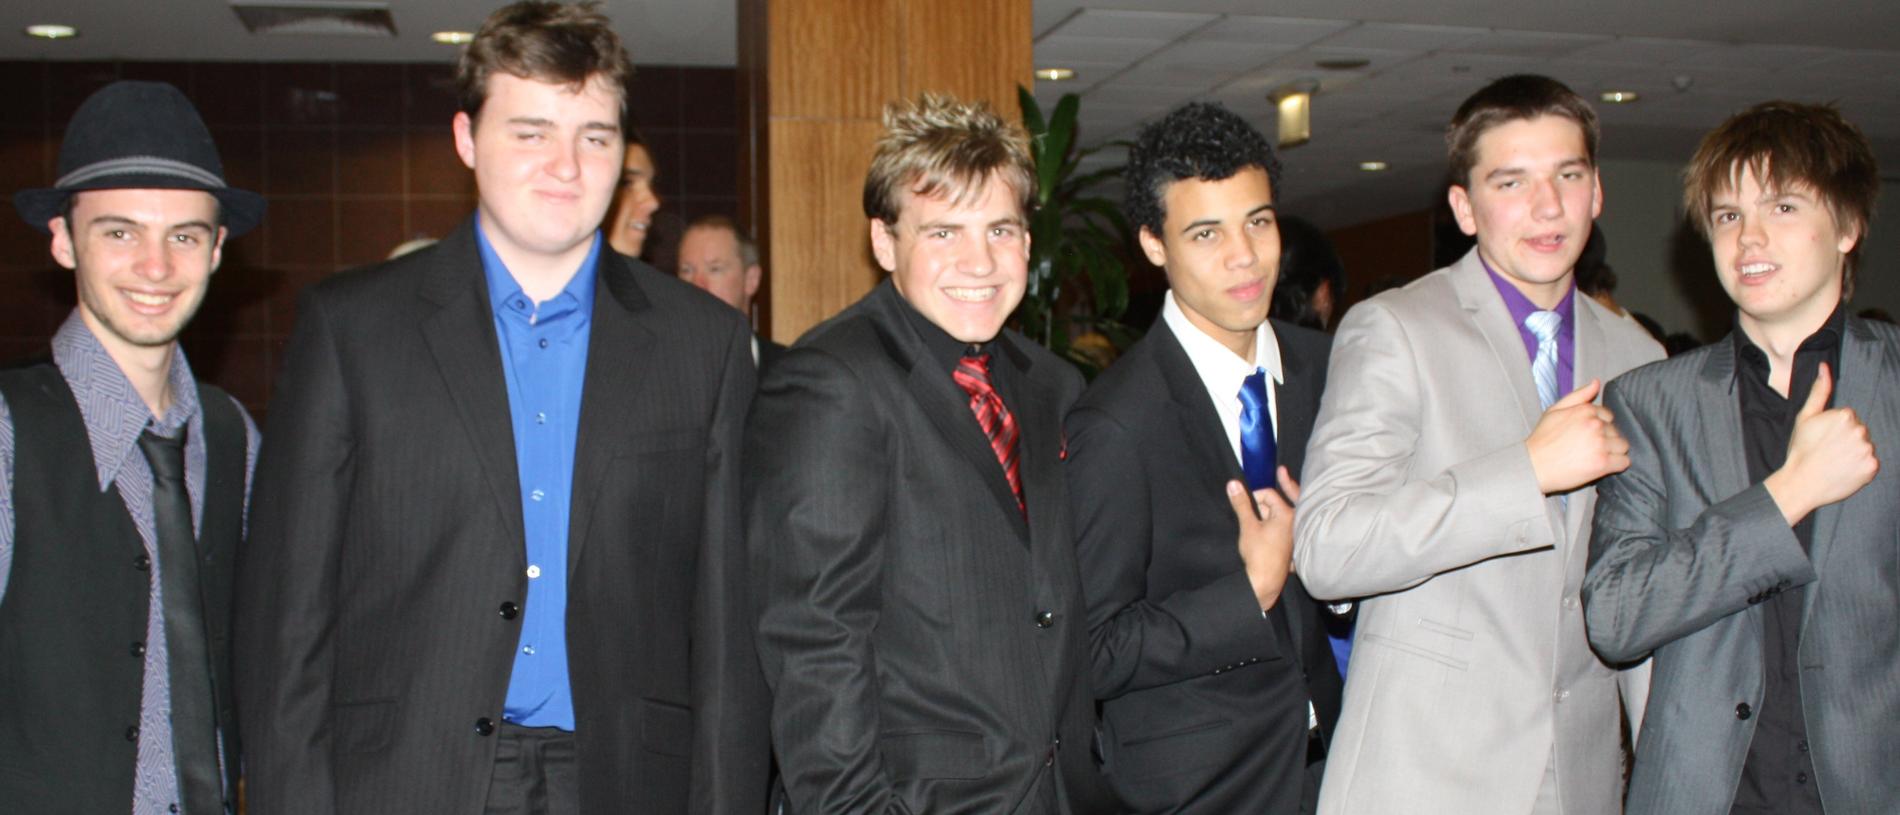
{"type": "Point", "coordinates": [1514, 98]}
{"type": "Point", "coordinates": [940, 146]}
{"type": "Point", "coordinates": [1786, 145]}
{"type": "Point", "coordinates": [748, 248]}
{"type": "Point", "coordinates": [546, 42]}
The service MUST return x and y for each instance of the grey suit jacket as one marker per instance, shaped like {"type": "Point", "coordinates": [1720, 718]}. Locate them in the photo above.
{"type": "Point", "coordinates": [1685, 549]}
{"type": "Point", "coordinates": [1470, 666]}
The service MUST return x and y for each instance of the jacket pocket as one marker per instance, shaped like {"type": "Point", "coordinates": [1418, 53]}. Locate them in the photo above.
{"type": "Point", "coordinates": [934, 754]}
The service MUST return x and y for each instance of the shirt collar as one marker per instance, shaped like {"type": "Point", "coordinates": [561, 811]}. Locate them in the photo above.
{"type": "Point", "coordinates": [111, 408]}
{"type": "Point", "coordinates": [1521, 306]}
{"type": "Point", "coordinates": [1217, 364]}
{"type": "Point", "coordinates": [1827, 338]}
{"type": "Point", "coordinates": [943, 349]}
{"type": "Point", "coordinates": [505, 295]}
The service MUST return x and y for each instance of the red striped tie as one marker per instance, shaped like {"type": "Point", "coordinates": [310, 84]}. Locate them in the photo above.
{"type": "Point", "coordinates": [973, 376]}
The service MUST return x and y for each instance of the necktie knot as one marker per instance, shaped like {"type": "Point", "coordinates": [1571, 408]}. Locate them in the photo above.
{"type": "Point", "coordinates": [1543, 325]}
{"type": "Point", "coordinates": [166, 455]}
{"type": "Point", "coordinates": [973, 369]}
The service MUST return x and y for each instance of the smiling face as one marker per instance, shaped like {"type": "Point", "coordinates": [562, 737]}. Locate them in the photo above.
{"type": "Point", "coordinates": [1779, 254]}
{"type": "Point", "coordinates": [634, 203]}
{"type": "Point", "coordinates": [964, 266]}
{"type": "Point", "coordinates": [142, 260]}
{"type": "Point", "coordinates": [546, 158]}
{"type": "Point", "coordinates": [1530, 201]}
{"type": "Point", "coordinates": [1220, 246]}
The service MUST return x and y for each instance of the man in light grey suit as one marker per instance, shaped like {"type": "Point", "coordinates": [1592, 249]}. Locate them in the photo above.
{"type": "Point", "coordinates": [1449, 484]}
{"type": "Point", "coordinates": [1749, 546]}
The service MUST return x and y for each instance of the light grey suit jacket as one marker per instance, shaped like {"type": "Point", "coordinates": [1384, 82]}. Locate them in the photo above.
{"type": "Point", "coordinates": [1471, 665]}
{"type": "Point", "coordinates": [1685, 548]}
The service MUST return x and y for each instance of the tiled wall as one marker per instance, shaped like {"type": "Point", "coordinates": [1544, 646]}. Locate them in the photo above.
{"type": "Point", "coordinates": [354, 158]}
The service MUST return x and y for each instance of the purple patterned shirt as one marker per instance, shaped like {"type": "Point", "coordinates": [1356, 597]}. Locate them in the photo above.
{"type": "Point", "coordinates": [115, 416]}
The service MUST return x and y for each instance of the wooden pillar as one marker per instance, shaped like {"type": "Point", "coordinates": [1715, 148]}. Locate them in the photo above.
{"type": "Point", "coordinates": [814, 77]}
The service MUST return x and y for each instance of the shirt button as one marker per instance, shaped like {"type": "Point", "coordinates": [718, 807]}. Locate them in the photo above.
{"type": "Point", "coordinates": [138, 649]}
{"type": "Point", "coordinates": [533, 571]}
{"type": "Point", "coordinates": [510, 611]}
{"type": "Point", "coordinates": [541, 418]}
{"type": "Point", "coordinates": [537, 495]}
{"type": "Point", "coordinates": [1561, 695]}
{"type": "Point", "coordinates": [142, 563]}
{"type": "Point", "coordinates": [527, 649]}
{"type": "Point", "coordinates": [1743, 711]}
{"type": "Point", "coordinates": [1045, 619]}
{"type": "Point", "coordinates": [484, 726]}
{"type": "Point", "coordinates": [543, 343]}
{"type": "Point", "coordinates": [520, 303]}
{"type": "Point", "coordinates": [174, 808]}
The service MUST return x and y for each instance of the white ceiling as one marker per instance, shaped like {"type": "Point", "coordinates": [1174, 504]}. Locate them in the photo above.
{"type": "Point", "coordinates": [1136, 59]}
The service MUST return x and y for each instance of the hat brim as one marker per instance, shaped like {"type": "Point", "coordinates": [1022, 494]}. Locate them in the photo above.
{"type": "Point", "coordinates": [240, 210]}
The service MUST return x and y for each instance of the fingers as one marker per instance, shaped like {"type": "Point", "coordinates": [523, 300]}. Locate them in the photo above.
{"type": "Point", "coordinates": [1289, 486]}
{"type": "Point", "coordinates": [1243, 503]}
{"type": "Point", "coordinates": [1817, 395]}
{"type": "Point", "coordinates": [1582, 395]}
{"type": "Point", "coordinates": [1272, 506]}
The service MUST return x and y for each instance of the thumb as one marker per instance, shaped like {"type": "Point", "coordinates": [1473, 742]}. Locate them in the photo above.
{"type": "Point", "coordinates": [1272, 505]}
{"type": "Point", "coordinates": [1581, 396]}
{"type": "Point", "coordinates": [1817, 395]}
{"type": "Point", "coordinates": [1242, 503]}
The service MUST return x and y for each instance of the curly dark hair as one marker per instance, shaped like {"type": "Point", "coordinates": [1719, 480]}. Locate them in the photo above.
{"type": "Point", "coordinates": [1200, 140]}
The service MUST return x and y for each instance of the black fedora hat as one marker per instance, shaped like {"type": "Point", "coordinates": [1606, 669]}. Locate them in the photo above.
{"type": "Point", "coordinates": [139, 135]}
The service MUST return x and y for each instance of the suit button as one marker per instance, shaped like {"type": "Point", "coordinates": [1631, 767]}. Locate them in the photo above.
{"type": "Point", "coordinates": [1800, 778]}
{"type": "Point", "coordinates": [142, 563]}
{"type": "Point", "coordinates": [1045, 619]}
{"type": "Point", "coordinates": [132, 733]}
{"type": "Point", "coordinates": [1754, 598]}
{"type": "Point", "coordinates": [484, 726]}
{"type": "Point", "coordinates": [138, 649]}
{"type": "Point", "coordinates": [509, 611]}
{"type": "Point", "coordinates": [1743, 711]}
{"type": "Point", "coordinates": [1801, 745]}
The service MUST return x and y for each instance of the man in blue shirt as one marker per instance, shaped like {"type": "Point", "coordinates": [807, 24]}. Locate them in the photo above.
{"type": "Point", "coordinates": [495, 563]}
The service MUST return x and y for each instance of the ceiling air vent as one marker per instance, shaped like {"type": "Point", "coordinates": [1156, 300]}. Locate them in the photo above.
{"type": "Point", "coordinates": [320, 19]}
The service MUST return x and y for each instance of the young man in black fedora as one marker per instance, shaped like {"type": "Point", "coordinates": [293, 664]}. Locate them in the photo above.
{"type": "Point", "coordinates": [123, 482]}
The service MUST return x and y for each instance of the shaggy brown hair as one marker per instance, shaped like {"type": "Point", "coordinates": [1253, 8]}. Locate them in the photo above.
{"type": "Point", "coordinates": [1514, 98]}
{"type": "Point", "coordinates": [940, 146]}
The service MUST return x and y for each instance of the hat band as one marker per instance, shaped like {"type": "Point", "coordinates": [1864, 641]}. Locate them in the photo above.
{"type": "Point", "coordinates": [141, 165]}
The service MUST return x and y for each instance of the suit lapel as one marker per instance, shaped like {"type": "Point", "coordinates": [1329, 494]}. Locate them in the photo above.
{"type": "Point", "coordinates": [1589, 358]}
{"type": "Point", "coordinates": [1862, 376]}
{"type": "Point", "coordinates": [948, 407]}
{"type": "Point", "coordinates": [619, 365]}
{"type": "Point", "coordinates": [1480, 299]}
{"type": "Point", "coordinates": [461, 336]}
{"type": "Point", "coordinates": [1038, 455]}
{"type": "Point", "coordinates": [1719, 429]}
{"type": "Point", "coordinates": [1295, 401]}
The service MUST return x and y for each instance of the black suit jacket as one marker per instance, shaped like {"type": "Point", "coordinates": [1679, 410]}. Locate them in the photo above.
{"type": "Point", "coordinates": [768, 351]}
{"type": "Point", "coordinates": [1204, 701]}
{"type": "Point", "coordinates": [923, 642]}
{"type": "Point", "coordinates": [379, 593]}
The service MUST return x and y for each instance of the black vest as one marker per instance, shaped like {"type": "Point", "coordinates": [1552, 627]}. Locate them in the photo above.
{"type": "Point", "coordinates": [72, 622]}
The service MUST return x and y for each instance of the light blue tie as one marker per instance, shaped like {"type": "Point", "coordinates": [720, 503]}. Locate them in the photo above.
{"type": "Point", "coordinates": [1543, 325]}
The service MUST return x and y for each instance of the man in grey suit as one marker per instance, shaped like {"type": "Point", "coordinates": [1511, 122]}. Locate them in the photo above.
{"type": "Point", "coordinates": [1750, 546]}
{"type": "Point", "coordinates": [1448, 482]}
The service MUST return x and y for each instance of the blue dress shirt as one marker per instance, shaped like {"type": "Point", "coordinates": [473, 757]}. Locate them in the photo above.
{"type": "Point", "coordinates": [544, 358]}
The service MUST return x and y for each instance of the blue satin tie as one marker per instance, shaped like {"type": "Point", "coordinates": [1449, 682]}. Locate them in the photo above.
{"type": "Point", "coordinates": [1258, 452]}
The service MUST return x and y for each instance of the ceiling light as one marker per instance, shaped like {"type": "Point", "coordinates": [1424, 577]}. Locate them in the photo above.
{"type": "Point", "coordinates": [1372, 166]}
{"type": "Point", "coordinates": [453, 37]}
{"type": "Point", "coordinates": [1342, 64]}
{"type": "Point", "coordinates": [1055, 74]}
{"type": "Point", "coordinates": [1618, 97]}
{"type": "Point", "coordinates": [51, 31]}
{"type": "Point", "coordinates": [1295, 103]}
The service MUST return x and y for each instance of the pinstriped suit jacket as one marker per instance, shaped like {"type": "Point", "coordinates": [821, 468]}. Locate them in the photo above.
{"type": "Point", "coordinates": [1685, 548]}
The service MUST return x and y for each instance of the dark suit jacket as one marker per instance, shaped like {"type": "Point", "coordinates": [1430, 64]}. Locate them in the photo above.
{"type": "Point", "coordinates": [378, 595]}
{"type": "Point", "coordinates": [1204, 701]}
{"type": "Point", "coordinates": [768, 351]}
{"type": "Point", "coordinates": [1685, 549]}
{"type": "Point", "coordinates": [924, 644]}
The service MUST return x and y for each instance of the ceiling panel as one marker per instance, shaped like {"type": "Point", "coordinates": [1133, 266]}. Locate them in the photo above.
{"type": "Point", "coordinates": [1132, 25]}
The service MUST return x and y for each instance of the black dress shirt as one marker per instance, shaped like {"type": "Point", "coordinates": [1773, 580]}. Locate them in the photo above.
{"type": "Point", "coordinates": [1778, 776]}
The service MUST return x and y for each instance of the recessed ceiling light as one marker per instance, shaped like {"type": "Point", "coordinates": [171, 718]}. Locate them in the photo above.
{"type": "Point", "coordinates": [1372, 166]}
{"type": "Point", "coordinates": [1055, 74]}
{"type": "Point", "coordinates": [51, 31]}
{"type": "Point", "coordinates": [1342, 64]}
{"type": "Point", "coordinates": [453, 37]}
{"type": "Point", "coordinates": [1618, 97]}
